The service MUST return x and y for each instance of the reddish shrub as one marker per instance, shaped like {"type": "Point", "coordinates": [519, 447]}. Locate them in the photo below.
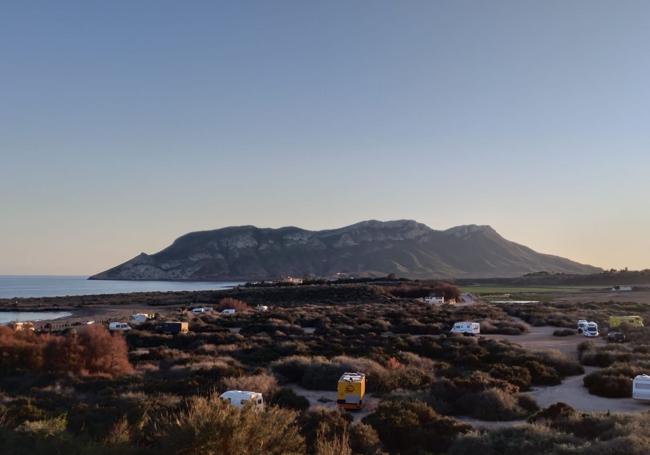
{"type": "Point", "coordinates": [94, 351]}
{"type": "Point", "coordinates": [229, 302]}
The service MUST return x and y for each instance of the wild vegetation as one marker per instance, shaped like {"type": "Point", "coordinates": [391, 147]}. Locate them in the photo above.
{"type": "Point", "coordinates": [157, 392]}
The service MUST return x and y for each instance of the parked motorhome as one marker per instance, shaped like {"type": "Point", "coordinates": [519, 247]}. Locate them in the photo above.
{"type": "Point", "coordinates": [622, 289]}
{"type": "Point", "coordinates": [228, 312]}
{"type": "Point", "coordinates": [350, 391]}
{"type": "Point", "coordinates": [591, 330]}
{"type": "Point", "coordinates": [118, 326]}
{"type": "Point", "coordinates": [633, 321]}
{"type": "Point", "coordinates": [466, 327]}
{"type": "Point", "coordinates": [200, 310]}
{"type": "Point", "coordinates": [434, 300]}
{"type": "Point", "coordinates": [582, 325]}
{"type": "Point", "coordinates": [641, 387]}
{"type": "Point", "coordinates": [174, 327]}
{"type": "Point", "coordinates": [262, 308]}
{"type": "Point", "coordinates": [240, 398]}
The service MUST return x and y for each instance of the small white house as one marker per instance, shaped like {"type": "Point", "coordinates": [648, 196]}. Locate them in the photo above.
{"type": "Point", "coordinates": [118, 326]}
{"type": "Point", "coordinates": [466, 327]}
{"type": "Point", "coordinates": [240, 398]}
{"type": "Point", "coordinates": [228, 312]}
{"type": "Point", "coordinates": [641, 387]}
{"type": "Point", "coordinates": [434, 300]}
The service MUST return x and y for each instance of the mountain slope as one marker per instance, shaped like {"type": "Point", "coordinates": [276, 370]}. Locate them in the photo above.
{"type": "Point", "coordinates": [370, 248]}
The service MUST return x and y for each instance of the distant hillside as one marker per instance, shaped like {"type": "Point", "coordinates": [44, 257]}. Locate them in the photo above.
{"type": "Point", "coordinates": [370, 248]}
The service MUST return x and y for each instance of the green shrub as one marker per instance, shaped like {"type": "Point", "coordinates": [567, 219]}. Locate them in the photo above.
{"type": "Point", "coordinates": [412, 427]}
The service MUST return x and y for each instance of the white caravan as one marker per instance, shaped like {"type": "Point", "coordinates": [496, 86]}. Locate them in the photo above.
{"type": "Point", "coordinates": [118, 327]}
{"type": "Point", "coordinates": [240, 398]}
{"type": "Point", "coordinates": [582, 325]}
{"type": "Point", "coordinates": [228, 312]}
{"type": "Point", "coordinates": [591, 330]}
{"type": "Point", "coordinates": [466, 327]}
{"type": "Point", "coordinates": [641, 387]}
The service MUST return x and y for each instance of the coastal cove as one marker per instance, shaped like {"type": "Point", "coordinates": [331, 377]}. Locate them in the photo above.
{"type": "Point", "coordinates": [22, 286]}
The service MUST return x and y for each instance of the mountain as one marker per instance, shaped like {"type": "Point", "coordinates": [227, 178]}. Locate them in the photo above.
{"type": "Point", "coordinates": [370, 248]}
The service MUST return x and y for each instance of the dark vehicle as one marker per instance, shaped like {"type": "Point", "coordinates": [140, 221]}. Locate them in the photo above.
{"type": "Point", "coordinates": [173, 327]}
{"type": "Point", "coordinates": [616, 337]}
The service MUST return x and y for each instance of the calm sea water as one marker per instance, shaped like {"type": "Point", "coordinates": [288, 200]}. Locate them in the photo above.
{"type": "Point", "coordinates": [11, 316]}
{"type": "Point", "coordinates": [55, 286]}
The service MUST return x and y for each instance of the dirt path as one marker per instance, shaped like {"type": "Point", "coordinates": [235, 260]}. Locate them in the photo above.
{"type": "Point", "coordinates": [541, 338]}
{"type": "Point", "coordinates": [573, 393]}
{"type": "Point", "coordinates": [572, 390]}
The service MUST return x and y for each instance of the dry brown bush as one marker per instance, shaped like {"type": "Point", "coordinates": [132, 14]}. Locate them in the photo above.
{"type": "Point", "coordinates": [91, 352]}
{"type": "Point", "coordinates": [229, 302]}
{"type": "Point", "coordinates": [263, 383]}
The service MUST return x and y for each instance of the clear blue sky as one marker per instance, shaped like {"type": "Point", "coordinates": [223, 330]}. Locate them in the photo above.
{"type": "Point", "coordinates": [124, 124]}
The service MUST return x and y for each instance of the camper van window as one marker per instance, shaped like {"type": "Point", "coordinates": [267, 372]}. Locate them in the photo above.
{"type": "Point", "coordinates": [642, 386]}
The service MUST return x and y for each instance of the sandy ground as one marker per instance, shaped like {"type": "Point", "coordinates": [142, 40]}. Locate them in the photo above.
{"type": "Point", "coordinates": [327, 399]}
{"type": "Point", "coordinates": [571, 391]}
{"type": "Point", "coordinates": [541, 338]}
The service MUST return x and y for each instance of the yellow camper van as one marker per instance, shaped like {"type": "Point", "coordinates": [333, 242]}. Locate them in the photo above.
{"type": "Point", "coordinates": [350, 391]}
{"type": "Point", "coordinates": [634, 321]}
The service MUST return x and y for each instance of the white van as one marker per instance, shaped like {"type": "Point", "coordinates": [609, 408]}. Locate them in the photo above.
{"type": "Point", "coordinates": [582, 325]}
{"type": "Point", "coordinates": [228, 312]}
{"type": "Point", "coordinates": [262, 308]}
{"type": "Point", "coordinates": [118, 326]}
{"type": "Point", "coordinates": [466, 327]}
{"type": "Point", "coordinates": [641, 387]}
{"type": "Point", "coordinates": [591, 330]}
{"type": "Point", "coordinates": [199, 310]}
{"type": "Point", "coordinates": [240, 398]}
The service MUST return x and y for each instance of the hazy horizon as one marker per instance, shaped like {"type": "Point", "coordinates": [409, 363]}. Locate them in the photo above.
{"type": "Point", "coordinates": [124, 125]}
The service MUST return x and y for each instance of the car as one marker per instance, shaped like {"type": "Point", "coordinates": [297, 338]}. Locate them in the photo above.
{"type": "Point", "coordinates": [616, 337]}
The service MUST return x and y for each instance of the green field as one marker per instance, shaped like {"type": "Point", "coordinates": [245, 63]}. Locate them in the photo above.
{"type": "Point", "coordinates": [524, 290]}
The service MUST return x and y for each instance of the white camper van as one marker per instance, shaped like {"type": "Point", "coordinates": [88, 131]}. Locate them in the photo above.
{"type": "Point", "coordinates": [118, 326]}
{"type": "Point", "coordinates": [433, 300]}
{"type": "Point", "coordinates": [466, 327]}
{"type": "Point", "coordinates": [591, 330]}
{"type": "Point", "coordinates": [228, 312]}
{"type": "Point", "coordinates": [641, 387]}
{"type": "Point", "coordinates": [582, 325]}
{"type": "Point", "coordinates": [200, 310]}
{"type": "Point", "coordinates": [240, 398]}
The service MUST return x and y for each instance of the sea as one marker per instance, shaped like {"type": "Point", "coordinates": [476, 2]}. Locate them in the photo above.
{"type": "Point", "coordinates": [16, 286]}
